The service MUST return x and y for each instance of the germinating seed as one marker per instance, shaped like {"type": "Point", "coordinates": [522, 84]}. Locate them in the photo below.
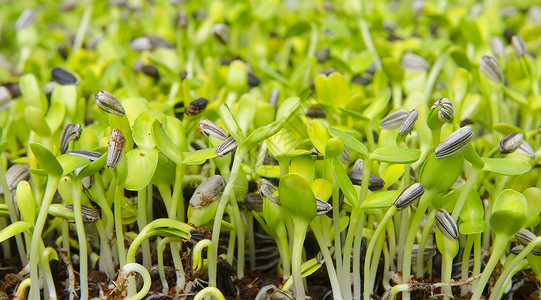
{"type": "Point", "coordinates": [207, 127]}
{"type": "Point", "coordinates": [69, 133]}
{"type": "Point", "coordinates": [63, 77]}
{"type": "Point", "coordinates": [323, 55]}
{"type": "Point", "coordinates": [208, 191]}
{"type": "Point", "coordinates": [253, 80]}
{"type": "Point", "coordinates": [497, 46]}
{"type": "Point", "coordinates": [490, 67]}
{"type": "Point", "coordinates": [408, 195]}
{"type": "Point", "coordinates": [316, 112]}
{"type": "Point", "coordinates": [267, 189]}
{"type": "Point", "coordinates": [196, 107]}
{"type": "Point", "coordinates": [446, 111]}
{"type": "Point", "coordinates": [524, 237]}
{"type": "Point", "coordinates": [114, 150]}
{"type": "Point", "coordinates": [90, 214]}
{"type": "Point", "coordinates": [109, 103]}
{"type": "Point", "coordinates": [427, 254]}
{"type": "Point", "coordinates": [221, 33]}
{"type": "Point", "coordinates": [517, 249]}
{"type": "Point", "coordinates": [322, 207]}
{"type": "Point", "coordinates": [519, 46]}
{"type": "Point", "coordinates": [408, 123]}
{"type": "Point", "coordinates": [454, 142]}
{"type": "Point", "coordinates": [374, 183]}
{"type": "Point", "coordinates": [15, 174]}
{"type": "Point", "coordinates": [227, 146]}
{"type": "Point", "coordinates": [253, 201]}
{"type": "Point", "coordinates": [511, 143]}
{"type": "Point", "coordinates": [414, 62]}
{"type": "Point", "coordinates": [446, 224]}
{"type": "Point", "coordinates": [88, 154]}
{"type": "Point", "coordinates": [526, 149]}
{"type": "Point", "coordinates": [26, 19]}
{"type": "Point", "coordinates": [316, 154]}
{"type": "Point", "coordinates": [141, 44]}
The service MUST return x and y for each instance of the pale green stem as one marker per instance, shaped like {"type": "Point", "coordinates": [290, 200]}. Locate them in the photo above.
{"type": "Point", "coordinates": [397, 95]}
{"type": "Point", "coordinates": [81, 30]}
{"type": "Point", "coordinates": [161, 270]}
{"type": "Point", "coordinates": [231, 245]}
{"type": "Point", "coordinates": [209, 292]}
{"type": "Point", "coordinates": [251, 240]}
{"type": "Point", "coordinates": [13, 215]}
{"type": "Point", "coordinates": [44, 265]}
{"type": "Point", "coordinates": [507, 271]}
{"type": "Point", "coordinates": [21, 289]}
{"type": "Point", "coordinates": [367, 39]}
{"type": "Point", "coordinates": [425, 201]}
{"type": "Point", "coordinates": [177, 200]}
{"type": "Point", "coordinates": [499, 245]}
{"type": "Point", "coordinates": [323, 246]}
{"type": "Point", "coordinates": [66, 238]}
{"type": "Point", "coordinates": [121, 249]}
{"type": "Point", "coordinates": [422, 243]}
{"type": "Point", "coordinates": [446, 271]}
{"type": "Point", "coordinates": [465, 268]}
{"type": "Point", "coordinates": [197, 250]}
{"type": "Point", "coordinates": [375, 237]}
{"type": "Point", "coordinates": [433, 76]}
{"type": "Point", "coordinates": [521, 266]}
{"type": "Point", "coordinates": [296, 258]}
{"type": "Point", "coordinates": [52, 184]}
{"type": "Point", "coordinates": [283, 248]}
{"type": "Point", "coordinates": [468, 186]}
{"type": "Point", "coordinates": [357, 259]}
{"type": "Point", "coordinates": [404, 216]}
{"type": "Point", "coordinates": [225, 199]}
{"type": "Point", "coordinates": [337, 239]}
{"type": "Point", "coordinates": [147, 281]}
{"type": "Point", "coordinates": [106, 258]}
{"type": "Point", "coordinates": [81, 237]}
{"type": "Point", "coordinates": [141, 223]}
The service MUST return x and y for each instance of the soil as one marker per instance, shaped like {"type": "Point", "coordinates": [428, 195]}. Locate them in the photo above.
{"type": "Point", "coordinates": [525, 283]}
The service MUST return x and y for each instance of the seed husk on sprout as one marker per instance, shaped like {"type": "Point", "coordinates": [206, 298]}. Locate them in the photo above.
{"type": "Point", "coordinates": [109, 103]}
{"type": "Point", "coordinates": [408, 195]}
{"type": "Point", "coordinates": [221, 33]}
{"type": "Point", "coordinates": [497, 46]}
{"type": "Point", "coordinates": [414, 62]}
{"type": "Point", "coordinates": [446, 224]}
{"type": "Point", "coordinates": [454, 142]}
{"type": "Point", "coordinates": [115, 147]}
{"type": "Point", "coordinates": [90, 214]}
{"type": "Point", "coordinates": [196, 106]}
{"type": "Point", "coordinates": [253, 201]}
{"type": "Point", "coordinates": [322, 207]}
{"type": "Point", "coordinates": [519, 46]}
{"type": "Point", "coordinates": [491, 68]}
{"type": "Point", "coordinates": [446, 111]}
{"type": "Point", "coordinates": [227, 146]}
{"type": "Point", "coordinates": [323, 55]}
{"type": "Point", "coordinates": [63, 77]}
{"type": "Point", "coordinates": [427, 254]}
{"type": "Point", "coordinates": [208, 191]}
{"type": "Point", "coordinates": [511, 143]}
{"type": "Point", "coordinates": [207, 127]}
{"type": "Point", "coordinates": [394, 119]}
{"type": "Point", "coordinates": [526, 149]}
{"type": "Point", "coordinates": [524, 237]}
{"type": "Point", "coordinates": [15, 174]}
{"type": "Point", "coordinates": [267, 189]}
{"type": "Point", "coordinates": [88, 154]}
{"type": "Point", "coordinates": [69, 133]}
{"type": "Point", "coordinates": [408, 123]}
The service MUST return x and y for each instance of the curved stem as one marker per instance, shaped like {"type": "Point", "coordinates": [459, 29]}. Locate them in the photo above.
{"type": "Point", "coordinates": [52, 184]}
{"type": "Point", "coordinates": [198, 260]}
{"type": "Point", "coordinates": [161, 270]}
{"type": "Point", "coordinates": [422, 243]}
{"type": "Point", "coordinates": [323, 246]}
{"type": "Point", "coordinates": [119, 195]}
{"type": "Point", "coordinates": [147, 281]}
{"type": "Point", "coordinates": [142, 222]}
{"type": "Point", "coordinates": [466, 262]}
{"type": "Point", "coordinates": [500, 243]}
{"type": "Point", "coordinates": [209, 291]}
{"type": "Point", "coordinates": [357, 259]}
{"type": "Point", "coordinates": [44, 263]}
{"type": "Point", "coordinates": [499, 284]}
{"type": "Point", "coordinates": [21, 289]}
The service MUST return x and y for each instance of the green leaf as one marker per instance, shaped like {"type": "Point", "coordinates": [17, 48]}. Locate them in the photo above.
{"type": "Point", "coordinates": [378, 105]}
{"type": "Point", "coordinates": [354, 114]}
{"type": "Point", "coordinates": [70, 162]}
{"type": "Point", "coordinates": [198, 157]}
{"type": "Point", "coordinates": [141, 167]}
{"type": "Point", "coordinates": [164, 143]}
{"type": "Point", "coordinates": [396, 155]}
{"type": "Point", "coordinates": [301, 69]}
{"type": "Point", "coordinates": [298, 28]}
{"type": "Point", "coordinates": [26, 201]}
{"type": "Point", "coordinates": [350, 141]}
{"type": "Point", "coordinates": [3, 145]}
{"type": "Point", "coordinates": [55, 115]}
{"type": "Point", "coordinates": [319, 134]}
{"type": "Point", "coordinates": [460, 84]}
{"type": "Point", "coordinates": [350, 194]}
{"type": "Point", "coordinates": [134, 107]}
{"type": "Point", "coordinates": [32, 92]}
{"type": "Point", "coordinates": [14, 229]}
{"type": "Point", "coordinates": [263, 133]}
{"type": "Point", "coordinates": [338, 89]}
{"type": "Point", "coordinates": [170, 73]}
{"type": "Point", "coordinates": [93, 167]}
{"type": "Point", "coordinates": [380, 200]}
{"type": "Point", "coordinates": [297, 197]}
{"type": "Point", "coordinates": [507, 129]}
{"type": "Point", "coordinates": [47, 160]}
{"type": "Point", "coordinates": [66, 95]}
{"type": "Point", "coordinates": [506, 166]}
{"type": "Point", "coordinates": [246, 110]}
{"type": "Point", "coordinates": [36, 121]}
{"type": "Point", "coordinates": [269, 171]}
{"type": "Point", "coordinates": [142, 128]}
{"type": "Point", "coordinates": [275, 75]}
{"type": "Point", "coordinates": [516, 96]}
{"type": "Point", "coordinates": [392, 69]}
{"type": "Point", "coordinates": [230, 123]}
